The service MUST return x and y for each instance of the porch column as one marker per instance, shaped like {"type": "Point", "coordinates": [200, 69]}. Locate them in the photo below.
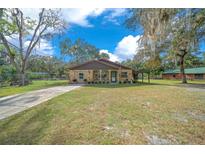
{"type": "Point", "coordinates": [118, 75]}
{"type": "Point", "coordinates": [100, 75]}
{"type": "Point", "coordinates": [91, 75]}
{"type": "Point", "coordinates": [109, 75]}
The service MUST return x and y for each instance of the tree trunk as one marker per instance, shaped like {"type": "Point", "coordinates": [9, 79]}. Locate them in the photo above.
{"type": "Point", "coordinates": [184, 80]}
{"type": "Point", "coordinates": [149, 77]}
{"type": "Point", "coordinates": [142, 77]}
{"type": "Point", "coordinates": [22, 77]}
{"type": "Point", "coordinates": [22, 74]}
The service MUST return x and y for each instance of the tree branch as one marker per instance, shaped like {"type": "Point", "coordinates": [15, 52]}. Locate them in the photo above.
{"type": "Point", "coordinates": [19, 23]}
{"type": "Point", "coordinates": [10, 54]}
{"type": "Point", "coordinates": [35, 31]}
{"type": "Point", "coordinates": [35, 42]}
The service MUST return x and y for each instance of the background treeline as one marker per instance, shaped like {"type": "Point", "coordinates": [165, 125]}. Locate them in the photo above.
{"type": "Point", "coordinates": [39, 67]}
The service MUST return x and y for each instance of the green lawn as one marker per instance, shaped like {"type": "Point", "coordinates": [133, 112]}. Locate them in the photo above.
{"type": "Point", "coordinates": [11, 90]}
{"type": "Point", "coordinates": [113, 114]}
{"type": "Point", "coordinates": [174, 82]}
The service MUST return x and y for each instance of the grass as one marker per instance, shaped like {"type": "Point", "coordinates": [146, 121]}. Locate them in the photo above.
{"type": "Point", "coordinates": [112, 114]}
{"type": "Point", "coordinates": [174, 82]}
{"type": "Point", "coordinates": [39, 84]}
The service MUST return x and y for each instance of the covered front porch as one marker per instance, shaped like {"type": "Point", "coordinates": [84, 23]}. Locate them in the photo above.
{"type": "Point", "coordinates": [105, 76]}
{"type": "Point", "coordinates": [101, 76]}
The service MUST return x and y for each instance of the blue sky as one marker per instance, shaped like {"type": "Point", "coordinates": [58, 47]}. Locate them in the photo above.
{"type": "Point", "coordinates": [106, 31]}
{"type": "Point", "coordinates": [103, 28]}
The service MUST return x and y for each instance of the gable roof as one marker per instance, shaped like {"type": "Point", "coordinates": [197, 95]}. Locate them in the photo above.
{"type": "Point", "coordinates": [93, 64]}
{"type": "Point", "coordinates": [112, 63]}
{"type": "Point", "coordinates": [197, 70]}
{"type": "Point", "coordinates": [98, 64]}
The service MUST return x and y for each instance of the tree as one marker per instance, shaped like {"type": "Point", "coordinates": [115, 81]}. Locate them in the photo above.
{"type": "Point", "coordinates": [104, 56]}
{"type": "Point", "coordinates": [204, 58]}
{"type": "Point", "coordinates": [153, 22]}
{"type": "Point", "coordinates": [179, 30]}
{"type": "Point", "coordinates": [193, 60]}
{"type": "Point", "coordinates": [186, 34]}
{"type": "Point", "coordinates": [79, 51]}
{"type": "Point", "coordinates": [53, 66]}
{"type": "Point", "coordinates": [28, 32]}
{"type": "Point", "coordinates": [7, 71]}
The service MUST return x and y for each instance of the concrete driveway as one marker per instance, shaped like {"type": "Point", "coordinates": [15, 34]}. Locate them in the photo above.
{"type": "Point", "coordinates": [11, 105]}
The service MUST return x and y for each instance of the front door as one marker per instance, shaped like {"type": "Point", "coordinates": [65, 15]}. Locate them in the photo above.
{"type": "Point", "coordinates": [113, 76]}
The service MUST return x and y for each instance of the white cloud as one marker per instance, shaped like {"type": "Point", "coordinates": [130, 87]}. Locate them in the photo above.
{"type": "Point", "coordinates": [127, 47]}
{"type": "Point", "coordinates": [117, 12]}
{"type": "Point", "coordinates": [80, 16]}
{"type": "Point", "coordinates": [113, 57]}
{"type": "Point", "coordinates": [114, 14]}
{"type": "Point", "coordinates": [32, 13]}
{"type": "Point", "coordinates": [44, 48]}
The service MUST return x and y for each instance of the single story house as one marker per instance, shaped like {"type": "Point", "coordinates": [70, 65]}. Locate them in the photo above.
{"type": "Point", "coordinates": [191, 73]}
{"type": "Point", "coordinates": [101, 70]}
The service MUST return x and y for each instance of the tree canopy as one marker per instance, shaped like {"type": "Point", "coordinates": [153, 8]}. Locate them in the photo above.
{"type": "Point", "coordinates": [80, 51]}
{"type": "Point", "coordinates": [177, 32]}
{"type": "Point", "coordinates": [21, 34]}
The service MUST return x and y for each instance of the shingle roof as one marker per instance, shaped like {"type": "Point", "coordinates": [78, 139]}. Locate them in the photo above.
{"type": "Point", "coordinates": [99, 64]}
{"type": "Point", "coordinates": [93, 64]}
{"type": "Point", "coordinates": [198, 70]}
{"type": "Point", "coordinates": [112, 63]}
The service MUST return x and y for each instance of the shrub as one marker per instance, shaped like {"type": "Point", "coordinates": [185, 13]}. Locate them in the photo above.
{"type": "Point", "coordinates": [89, 82]}
{"type": "Point", "coordinates": [120, 82]}
{"type": "Point", "coordinates": [74, 80]}
{"type": "Point", "coordinates": [38, 75]}
{"type": "Point", "coordinates": [99, 82]}
{"type": "Point", "coordinates": [126, 81]}
{"type": "Point", "coordinates": [7, 74]}
{"type": "Point", "coordinates": [96, 82]}
{"type": "Point", "coordinates": [85, 80]}
{"type": "Point", "coordinates": [92, 82]}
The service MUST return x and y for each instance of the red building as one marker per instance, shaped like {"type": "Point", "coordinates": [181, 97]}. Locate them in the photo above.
{"type": "Point", "coordinates": [191, 73]}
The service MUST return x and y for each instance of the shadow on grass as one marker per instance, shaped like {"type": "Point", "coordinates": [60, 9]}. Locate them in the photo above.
{"type": "Point", "coordinates": [117, 85]}
{"type": "Point", "coordinates": [19, 100]}
{"type": "Point", "coordinates": [31, 127]}
{"type": "Point", "coordinates": [193, 85]}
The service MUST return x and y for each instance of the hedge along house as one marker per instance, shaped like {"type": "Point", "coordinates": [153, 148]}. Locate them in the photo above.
{"type": "Point", "coordinates": [191, 73]}
{"type": "Point", "coordinates": [101, 70]}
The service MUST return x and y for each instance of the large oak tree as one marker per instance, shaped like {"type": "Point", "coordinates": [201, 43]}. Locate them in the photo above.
{"type": "Point", "coordinates": [175, 30]}
{"type": "Point", "coordinates": [27, 34]}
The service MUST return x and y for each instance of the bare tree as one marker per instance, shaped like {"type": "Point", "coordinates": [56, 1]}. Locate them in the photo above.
{"type": "Point", "coordinates": [29, 33]}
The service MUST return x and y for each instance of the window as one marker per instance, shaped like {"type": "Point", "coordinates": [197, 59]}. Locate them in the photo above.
{"type": "Point", "coordinates": [124, 74]}
{"type": "Point", "coordinates": [81, 76]}
{"type": "Point", "coordinates": [198, 76]}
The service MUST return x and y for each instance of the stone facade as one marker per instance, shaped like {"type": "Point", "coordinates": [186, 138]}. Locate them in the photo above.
{"type": "Point", "coordinates": [101, 70]}
{"type": "Point", "coordinates": [90, 76]}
